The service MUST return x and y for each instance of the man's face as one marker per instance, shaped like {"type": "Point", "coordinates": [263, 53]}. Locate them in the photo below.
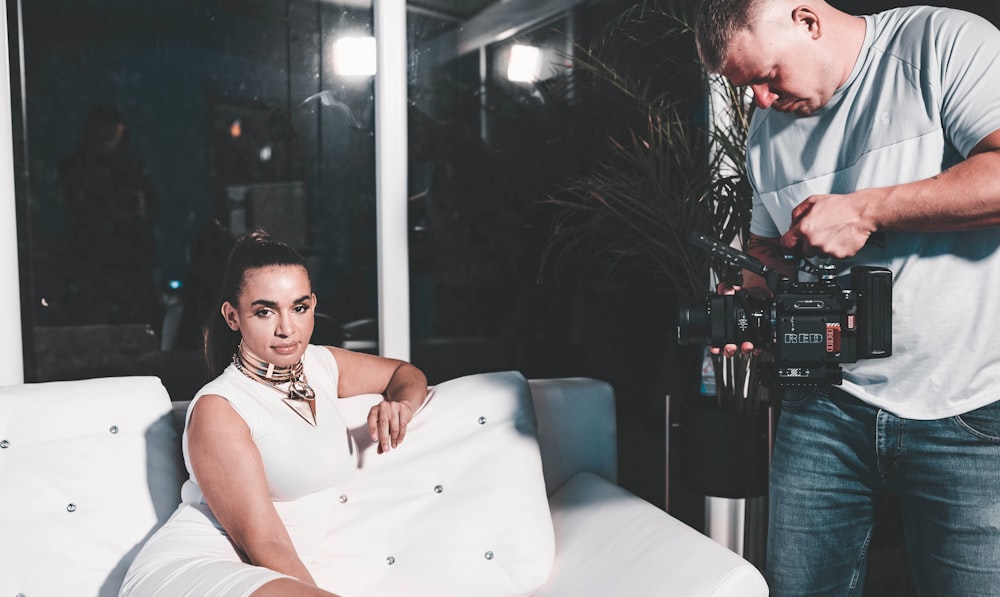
{"type": "Point", "coordinates": [782, 67]}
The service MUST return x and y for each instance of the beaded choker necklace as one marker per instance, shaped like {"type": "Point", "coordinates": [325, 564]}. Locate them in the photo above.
{"type": "Point", "coordinates": [299, 395]}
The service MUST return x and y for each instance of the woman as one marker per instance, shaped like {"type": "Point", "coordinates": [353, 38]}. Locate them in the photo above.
{"type": "Point", "coordinates": [264, 443]}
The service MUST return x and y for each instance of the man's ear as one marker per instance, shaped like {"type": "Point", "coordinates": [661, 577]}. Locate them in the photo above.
{"type": "Point", "coordinates": [229, 314]}
{"type": "Point", "coordinates": [806, 18]}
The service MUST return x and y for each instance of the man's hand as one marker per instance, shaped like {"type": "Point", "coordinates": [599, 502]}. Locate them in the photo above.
{"type": "Point", "coordinates": [387, 423]}
{"type": "Point", "coordinates": [830, 225]}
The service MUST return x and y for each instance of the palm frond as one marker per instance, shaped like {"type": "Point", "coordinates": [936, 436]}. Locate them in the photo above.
{"type": "Point", "coordinates": [635, 204]}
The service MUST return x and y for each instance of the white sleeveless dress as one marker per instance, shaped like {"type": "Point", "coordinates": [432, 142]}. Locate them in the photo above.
{"type": "Point", "coordinates": [304, 465]}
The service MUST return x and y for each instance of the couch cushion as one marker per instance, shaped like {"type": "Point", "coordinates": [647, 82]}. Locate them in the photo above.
{"type": "Point", "coordinates": [458, 509]}
{"type": "Point", "coordinates": [88, 469]}
{"type": "Point", "coordinates": [610, 542]}
{"type": "Point", "coordinates": [576, 428]}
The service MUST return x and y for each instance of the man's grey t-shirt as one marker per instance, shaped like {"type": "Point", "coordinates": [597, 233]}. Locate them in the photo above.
{"type": "Point", "coordinates": [924, 92]}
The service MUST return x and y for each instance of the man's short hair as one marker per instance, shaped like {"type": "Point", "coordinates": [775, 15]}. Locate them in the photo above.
{"type": "Point", "coordinates": [717, 23]}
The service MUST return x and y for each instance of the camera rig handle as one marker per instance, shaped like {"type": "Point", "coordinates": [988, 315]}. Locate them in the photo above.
{"type": "Point", "coordinates": [738, 258]}
{"type": "Point", "coordinates": [728, 254]}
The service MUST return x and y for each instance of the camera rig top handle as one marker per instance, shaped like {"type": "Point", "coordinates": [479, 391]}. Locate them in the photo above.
{"type": "Point", "coordinates": [796, 257]}
{"type": "Point", "coordinates": [728, 254]}
{"type": "Point", "coordinates": [799, 261]}
{"type": "Point", "coordinates": [735, 257]}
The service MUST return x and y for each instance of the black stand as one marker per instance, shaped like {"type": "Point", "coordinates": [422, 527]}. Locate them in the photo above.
{"type": "Point", "coordinates": [726, 453]}
{"type": "Point", "coordinates": [725, 456]}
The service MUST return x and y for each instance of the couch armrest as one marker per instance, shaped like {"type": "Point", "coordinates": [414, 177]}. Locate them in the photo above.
{"type": "Point", "coordinates": [610, 542]}
{"type": "Point", "coordinates": [88, 471]}
{"type": "Point", "coordinates": [576, 428]}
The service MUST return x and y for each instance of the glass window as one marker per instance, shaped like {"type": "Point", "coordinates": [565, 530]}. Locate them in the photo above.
{"type": "Point", "coordinates": [150, 133]}
{"type": "Point", "coordinates": [484, 151]}
{"type": "Point", "coordinates": [153, 132]}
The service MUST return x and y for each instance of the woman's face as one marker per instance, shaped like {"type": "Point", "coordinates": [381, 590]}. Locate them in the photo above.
{"type": "Point", "coordinates": [274, 313]}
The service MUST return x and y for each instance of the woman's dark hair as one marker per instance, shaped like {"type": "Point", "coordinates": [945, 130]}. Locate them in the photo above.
{"type": "Point", "coordinates": [252, 251]}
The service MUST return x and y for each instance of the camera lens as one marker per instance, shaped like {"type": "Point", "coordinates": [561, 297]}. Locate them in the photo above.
{"type": "Point", "coordinates": [692, 322]}
{"type": "Point", "coordinates": [720, 320]}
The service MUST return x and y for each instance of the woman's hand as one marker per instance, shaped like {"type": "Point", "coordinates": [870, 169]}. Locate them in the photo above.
{"type": "Point", "coordinates": [403, 386]}
{"type": "Point", "coordinates": [387, 423]}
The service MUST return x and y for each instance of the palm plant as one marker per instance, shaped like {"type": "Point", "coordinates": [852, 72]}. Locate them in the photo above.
{"type": "Point", "coordinates": [672, 172]}
{"type": "Point", "coordinates": [677, 169]}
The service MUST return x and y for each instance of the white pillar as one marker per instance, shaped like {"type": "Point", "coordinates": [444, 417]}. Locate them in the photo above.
{"type": "Point", "coordinates": [11, 358]}
{"type": "Point", "coordinates": [391, 174]}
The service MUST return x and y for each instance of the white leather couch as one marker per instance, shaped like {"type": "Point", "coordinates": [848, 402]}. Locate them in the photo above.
{"type": "Point", "coordinates": [503, 486]}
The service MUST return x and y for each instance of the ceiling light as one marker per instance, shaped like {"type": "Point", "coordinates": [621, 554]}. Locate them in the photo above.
{"type": "Point", "coordinates": [354, 56]}
{"type": "Point", "coordinates": [524, 63]}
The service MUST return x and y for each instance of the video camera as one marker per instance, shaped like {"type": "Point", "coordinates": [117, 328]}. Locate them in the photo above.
{"type": "Point", "coordinates": [809, 328]}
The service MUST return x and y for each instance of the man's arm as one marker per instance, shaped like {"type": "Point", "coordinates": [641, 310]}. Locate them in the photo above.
{"type": "Point", "coordinates": [963, 197]}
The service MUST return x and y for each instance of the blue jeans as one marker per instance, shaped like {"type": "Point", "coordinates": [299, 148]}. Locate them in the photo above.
{"type": "Point", "coordinates": [834, 454]}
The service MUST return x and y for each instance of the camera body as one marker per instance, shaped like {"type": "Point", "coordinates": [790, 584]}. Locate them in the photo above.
{"type": "Point", "coordinates": [809, 328]}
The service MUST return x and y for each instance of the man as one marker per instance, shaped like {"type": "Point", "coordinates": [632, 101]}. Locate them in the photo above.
{"type": "Point", "coordinates": [886, 123]}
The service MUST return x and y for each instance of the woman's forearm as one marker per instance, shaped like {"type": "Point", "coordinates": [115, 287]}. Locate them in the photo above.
{"type": "Point", "coordinates": [276, 554]}
{"type": "Point", "coordinates": [408, 384]}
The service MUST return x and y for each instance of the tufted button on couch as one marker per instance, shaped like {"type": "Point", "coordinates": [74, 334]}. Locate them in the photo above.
{"type": "Point", "coordinates": [504, 487]}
